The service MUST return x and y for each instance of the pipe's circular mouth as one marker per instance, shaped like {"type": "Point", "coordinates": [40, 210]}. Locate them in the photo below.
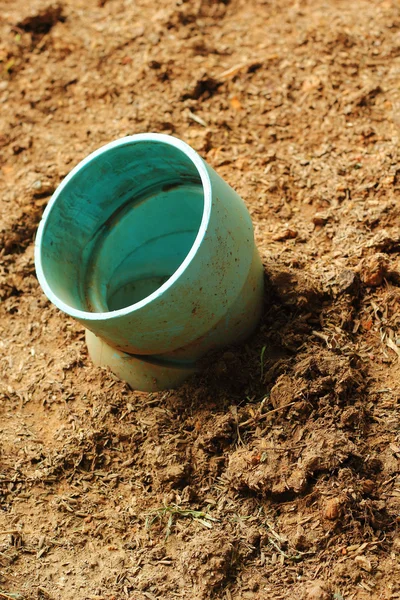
{"type": "Point", "coordinates": [123, 226]}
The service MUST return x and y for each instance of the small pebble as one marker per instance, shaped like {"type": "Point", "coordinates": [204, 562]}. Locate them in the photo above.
{"type": "Point", "coordinates": [42, 187]}
{"type": "Point", "coordinates": [37, 185]}
{"type": "Point", "coordinates": [333, 509]}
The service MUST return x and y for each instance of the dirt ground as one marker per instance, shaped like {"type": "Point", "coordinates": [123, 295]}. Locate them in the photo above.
{"type": "Point", "coordinates": [275, 474]}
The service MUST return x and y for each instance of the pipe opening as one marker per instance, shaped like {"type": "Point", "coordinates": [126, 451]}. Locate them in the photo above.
{"type": "Point", "coordinates": [134, 291]}
{"type": "Point", "coordinates": [122, 225]}
{"type": "Point", "coordinates": [148, 239]}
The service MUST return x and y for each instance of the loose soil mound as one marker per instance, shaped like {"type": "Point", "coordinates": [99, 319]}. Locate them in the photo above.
{"type": "Point", "coordinates": [275, 474]}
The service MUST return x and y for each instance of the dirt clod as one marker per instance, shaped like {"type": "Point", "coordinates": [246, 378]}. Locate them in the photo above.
{"type": "Point", "coordinates": [363, 562]}
{"type": "Point", "coordinates": [42, 21]}
{"type": "Point", "coordinates": [316, 590]}
{"type": "Point", "coordinates": [286, 234]}
{"type": "Point", "coordinates": [283, 392]}
{"type": "Point", "coordinates": [208, 561]}
{"type": "Point", "coordinates": [373, 270]}
{"type": "Point", "coordinates": [320, 219]}
{"type": "Point", "coordinates": [348, 282]}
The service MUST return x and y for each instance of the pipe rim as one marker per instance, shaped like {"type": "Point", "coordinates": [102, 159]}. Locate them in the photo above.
{"type": "Point", "coordinates": [127, 140]}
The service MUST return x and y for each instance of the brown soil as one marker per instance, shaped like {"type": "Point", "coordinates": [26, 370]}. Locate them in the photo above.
{"type": "Point", "coordinates": [276, 473]}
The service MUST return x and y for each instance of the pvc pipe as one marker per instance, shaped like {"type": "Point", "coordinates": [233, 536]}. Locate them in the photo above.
{"type": "Point", "coordinates": [146, 246]}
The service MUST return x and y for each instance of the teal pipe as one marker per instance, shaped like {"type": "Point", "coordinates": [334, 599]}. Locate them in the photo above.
{"type": "Point", "coordinates": [146, 246]}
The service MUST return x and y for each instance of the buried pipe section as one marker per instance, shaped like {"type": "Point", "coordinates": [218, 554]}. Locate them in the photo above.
{"type": "Point", "coordinates": [146, 246]}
